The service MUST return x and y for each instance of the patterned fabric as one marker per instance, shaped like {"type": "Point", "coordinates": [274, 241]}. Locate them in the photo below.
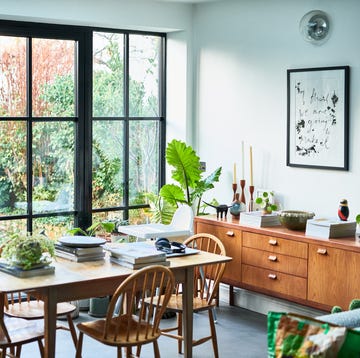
{"type": "Point", "coordinates": [295, 336]}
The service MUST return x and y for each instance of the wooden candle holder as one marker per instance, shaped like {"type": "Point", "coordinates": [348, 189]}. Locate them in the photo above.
{"type": "Point", "coordinates": [251, 203]}
{"type": "Point", "coordinates": [242, 196]}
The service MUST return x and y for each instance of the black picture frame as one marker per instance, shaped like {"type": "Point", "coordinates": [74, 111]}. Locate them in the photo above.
{"type": "Point", "coordinates": [318, 118]}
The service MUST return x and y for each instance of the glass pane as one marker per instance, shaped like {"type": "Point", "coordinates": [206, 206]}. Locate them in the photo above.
{"type": "Point", "coordinates": [10, 226]}
{"type": "Point", "coordinates": [53, 87]}
{"type": "Point", "coordinates": [139, 216]}
{"type": "Point", "coordinates": [107, 171]}
{"type": "Point", "coordinates": [144, 76]}
{"type": "Point", "coordinates": [13, 180]}
{"type": "Point", "coordinates": [53, 166]}
{"type": "Point", "coordinates": [53, 226]}
{"type": "Point", "coordinates": [12, 76]}
{"type": "Point", "coordinates": [108, 74]}
{"type": "Point", "coordinates": [143, 160]}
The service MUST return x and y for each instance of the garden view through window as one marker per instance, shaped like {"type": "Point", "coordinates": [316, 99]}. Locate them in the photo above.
{"type": "Point", "coordinates": [80, 141]}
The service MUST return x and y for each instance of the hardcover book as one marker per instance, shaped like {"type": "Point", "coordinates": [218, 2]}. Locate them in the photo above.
{"type": "Point", "coordinates": [330, 228]}
{"type": "Point", "coordinates": [258, 219]}
{"type": "Point", "coordinates": [80, 258]}
{"type": "Point", "coordinates": [133, 266]}
{"type": "Point", "coordinates": [136, 252]}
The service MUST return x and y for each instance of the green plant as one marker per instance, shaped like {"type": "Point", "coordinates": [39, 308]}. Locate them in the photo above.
{"type": "Point", "coordinates": [26, 250]}
{"type": "Point", "coordinates": [107, 226]}
{"type": "Point", "coordinates": [187, 173]}
{"type": "Point", "coordinates": [357, 219]}
{"type": "Point", "coordinates": [265, 202]}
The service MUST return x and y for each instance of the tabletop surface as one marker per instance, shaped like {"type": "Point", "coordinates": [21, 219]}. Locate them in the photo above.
{"type": "Point", "coordinates": [67, 271]}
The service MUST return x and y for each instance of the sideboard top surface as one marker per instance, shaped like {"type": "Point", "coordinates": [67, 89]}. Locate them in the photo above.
{"type": "Point", "coordinates": [346, 243]}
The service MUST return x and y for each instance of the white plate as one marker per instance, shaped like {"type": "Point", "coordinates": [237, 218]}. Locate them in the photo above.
{"type": "Point", "coordinates": [81, 241]}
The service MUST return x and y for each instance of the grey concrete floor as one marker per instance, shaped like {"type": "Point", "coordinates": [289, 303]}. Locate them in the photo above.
{"type": "Point", "coordinates": [241, 334]}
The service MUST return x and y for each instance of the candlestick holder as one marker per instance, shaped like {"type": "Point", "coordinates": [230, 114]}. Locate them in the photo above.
{"type": "Point", "coordinates": [234, 188]}
{"type": "Point", "coordinates": [242, 185]}
{"type": "Point", "coordinates": [251, 202]}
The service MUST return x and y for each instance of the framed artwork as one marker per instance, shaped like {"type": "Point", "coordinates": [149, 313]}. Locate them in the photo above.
{"type": "Point", "coordinates": [318, 118]}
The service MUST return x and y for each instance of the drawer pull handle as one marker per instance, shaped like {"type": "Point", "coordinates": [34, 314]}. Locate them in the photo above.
{"type": "Point", "coordinates": [272, 276]}
{"type": "Point", "coordinates": [272, 258]}
{"type": "Point", "coordinates": [230, 233]}
{"type": "Point", "coordinates": [322, 251]}
{"type": "Point", "coordinates": [273, 242]}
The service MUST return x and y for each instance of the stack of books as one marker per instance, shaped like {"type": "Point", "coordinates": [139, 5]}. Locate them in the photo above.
{"type": "Point", "coordinates": [136, 255]}
{"type": "Point", "coordinates": [258, 219]}
{"type": "Point", "coordinates": [330, 228]}
{"type": "Point", "coordinates": [79, 254]}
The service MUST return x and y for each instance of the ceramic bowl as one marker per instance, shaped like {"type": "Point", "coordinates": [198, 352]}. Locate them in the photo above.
{"type": "Point", "coordinates": [295, 219]}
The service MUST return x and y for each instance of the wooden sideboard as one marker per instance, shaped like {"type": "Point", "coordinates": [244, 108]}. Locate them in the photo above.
{"type": "Point", "coordinates": [287, 264]}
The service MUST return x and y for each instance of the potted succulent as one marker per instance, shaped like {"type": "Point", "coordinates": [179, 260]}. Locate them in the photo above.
{"type": "Point", "coordinates": [265, 202]}
{"type": "Point", "coordinates": [27, 251]}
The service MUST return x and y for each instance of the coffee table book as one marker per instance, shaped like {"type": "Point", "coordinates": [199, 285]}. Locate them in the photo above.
{"type": "Point", "coordinates": [330, 228]}
{"type": "Point", "coordinates": [136, 252]}
{"type": "Point", "coordinates": [258, 219]}
{"type": "Point", "coordinates": [133, 266]}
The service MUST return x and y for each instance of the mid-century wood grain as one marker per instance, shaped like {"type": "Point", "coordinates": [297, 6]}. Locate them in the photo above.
{"type": "Point", "coordinates": [73, 280]}
{"type": "Point", "coordinates": [283, 263]}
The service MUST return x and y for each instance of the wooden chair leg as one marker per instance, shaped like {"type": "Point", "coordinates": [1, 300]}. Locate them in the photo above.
{"type": "Point", "coordinates": [180, 326]}
{"type": "Point", "coordinates": [41, 348]}
{"type": "Point", "coordinates": [156, 349]}
{"type": "Point", "coordinates": [72, 329]}
{"type": "Point", "coordinates": [79, 345]}
{"type": "Point", "coordinates": [213, 333]}
{"type": "Point", "coordinates": [119, 352]}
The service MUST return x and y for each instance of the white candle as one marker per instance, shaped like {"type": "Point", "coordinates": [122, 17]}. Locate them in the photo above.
{"type": "Point", "coordinates": [242, 160]}
{"type": "Point", "coordinates": [234, 181]}
{"type": "Point", "coordinates": [251, 168]}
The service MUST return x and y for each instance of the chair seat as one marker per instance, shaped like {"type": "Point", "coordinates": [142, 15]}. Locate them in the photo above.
{"type": "Point", "coordinates": [142, 335]}
{"type": "Point", "coordinates": [35, 309]}
{"type": "Point", "coordinates": [175, 303]}
{"type": "Point", "coordinates": [21, 330]}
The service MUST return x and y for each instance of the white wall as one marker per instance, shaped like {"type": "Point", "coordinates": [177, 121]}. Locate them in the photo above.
{"type": "Point", "coordinates": [242, 51]}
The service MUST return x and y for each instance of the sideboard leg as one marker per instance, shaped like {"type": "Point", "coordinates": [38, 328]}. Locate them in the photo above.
{"type": "Point", "coordinates": [231, 295]}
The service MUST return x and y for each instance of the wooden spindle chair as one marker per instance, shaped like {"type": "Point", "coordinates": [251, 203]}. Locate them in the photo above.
{"type": "Point", "coordinates": [129, 321]}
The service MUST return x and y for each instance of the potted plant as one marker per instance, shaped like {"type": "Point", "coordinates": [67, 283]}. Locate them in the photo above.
{"type": "Point", "coordinates": [187, 173]}
{"type": "Point", "coordinates": [107, 226]}
{"type": "Point", "coordinates": [28, 251]}
{"type": "Point", "coordinates": [357, 234]}
{"type": "Point", "coordinates": [265, 202]}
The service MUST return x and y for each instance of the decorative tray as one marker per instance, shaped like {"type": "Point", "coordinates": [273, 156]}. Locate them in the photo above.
{"type": "Point", "coordinates": [18, 272]}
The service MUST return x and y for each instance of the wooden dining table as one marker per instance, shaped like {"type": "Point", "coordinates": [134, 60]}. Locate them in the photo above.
{"type": "Point", "coordinates": [73, 281]}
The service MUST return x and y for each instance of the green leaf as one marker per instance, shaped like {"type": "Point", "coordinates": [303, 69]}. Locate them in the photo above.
{"type": "Point", "coordinates": [357, 219]}
{"type": "Point", "coordinates": [172, 194]}
{"type": "Point", "coordinates": [206, 184]}
{"type": "Point", "coordinates": [185, 162]}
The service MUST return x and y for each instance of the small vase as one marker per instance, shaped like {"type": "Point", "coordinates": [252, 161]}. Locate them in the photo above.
{"type": "Point", "coordinates": [236, 206]}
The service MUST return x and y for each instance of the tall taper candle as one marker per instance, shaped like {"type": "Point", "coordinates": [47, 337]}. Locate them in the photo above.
{"type": "Point", "coordinates": [234, 180]}
{"type": "Point", "coordinates": [251, 168]}
{"type": "Point", "coordinates": [242, 160]}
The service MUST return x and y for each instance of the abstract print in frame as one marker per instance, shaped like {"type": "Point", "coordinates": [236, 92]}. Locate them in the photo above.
{"type": "Point", "coordinates": [318, 118]}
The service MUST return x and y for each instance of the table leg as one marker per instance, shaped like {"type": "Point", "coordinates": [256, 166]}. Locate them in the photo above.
{"type": "Point", "coordinates": [50, 301]}
{"type": "Point", "coordinates": [188, 312]}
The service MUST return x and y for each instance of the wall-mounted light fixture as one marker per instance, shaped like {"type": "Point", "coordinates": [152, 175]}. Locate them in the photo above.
{"type": "Point", "coordinates": [315, 27]}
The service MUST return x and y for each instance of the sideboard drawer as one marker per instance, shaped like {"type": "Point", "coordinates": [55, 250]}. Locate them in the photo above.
{"type": "Point", "coordinates": [275, 244]}
{"type": "Point", "coordinates": [231, 238]}
{"type": "Point", "coordinates": [274, 261]}
{"type": "Point", "coordinates": [274, 281]}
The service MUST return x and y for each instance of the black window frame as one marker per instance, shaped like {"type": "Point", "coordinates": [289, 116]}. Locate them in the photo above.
{"type": "Point", "coordinates": [83, 119]}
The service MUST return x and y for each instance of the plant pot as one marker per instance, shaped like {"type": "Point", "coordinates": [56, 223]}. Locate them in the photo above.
{"type": "Point", "coordinates": [98, 306]}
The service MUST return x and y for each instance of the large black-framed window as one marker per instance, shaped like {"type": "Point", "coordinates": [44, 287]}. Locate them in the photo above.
{"type": "Point", "coordinates": [82, 124]}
